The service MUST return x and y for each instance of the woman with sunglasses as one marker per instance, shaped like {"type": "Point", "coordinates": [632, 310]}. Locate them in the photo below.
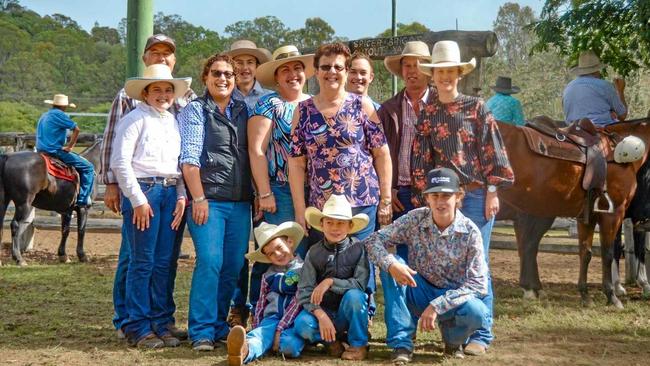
{"type": "Point", "coordinates": [214, 160]}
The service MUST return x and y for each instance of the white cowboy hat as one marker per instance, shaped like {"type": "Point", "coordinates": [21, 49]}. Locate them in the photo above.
{"type": "Point", "coordinates": [246, 47]}
{"type": "Point", "coordinates": [152, 74]}
{"type": "Point", "coordinates": [588, 63]}
{"type": "Point", "coordinates": [447, 54]}
{"type": "Point", "coordinates": [265, 73]}
{"type": "Point", "coordinates": [336, 207]}
{"type": "Point", "coordinates": [60, 100]}
{"type": "Point", "coordinates": [267, 232]}
{"type": "Point", "coordinates": [413, 48]}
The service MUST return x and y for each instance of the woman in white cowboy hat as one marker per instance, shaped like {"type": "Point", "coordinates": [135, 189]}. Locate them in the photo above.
{"type": "Point", "coordinates": [145, 162]}
{"type": "Point", "coordinates": [458, 132]}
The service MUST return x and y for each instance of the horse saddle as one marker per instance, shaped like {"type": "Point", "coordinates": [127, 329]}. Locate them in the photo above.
{"type": "Point", "coordinates": [59, 169]}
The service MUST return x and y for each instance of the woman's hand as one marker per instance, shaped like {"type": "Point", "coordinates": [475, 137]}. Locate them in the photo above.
{"type": "Point", "coordinates": [385, 212]}
{"type": "Point", "coordinates": [141, 216]}
{"type": "Point", "coordinates": [267, 204]}
{"type": "Point", "coordinates": [491, 205]}
{"type": "Point", "coordinates": [178, 213]}
{"type": "Point", "coordinates": [200, 212]}
{"type": "Point", "coordinates": [320, 290]}
{"type": "Point", "coordinates": [428, 319]}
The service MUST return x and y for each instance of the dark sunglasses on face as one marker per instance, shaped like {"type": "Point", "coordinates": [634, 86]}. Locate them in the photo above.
{"type": "Point", "coordinates": [326, 68]}
{"type": "Point", "coordinates": [218, 74]}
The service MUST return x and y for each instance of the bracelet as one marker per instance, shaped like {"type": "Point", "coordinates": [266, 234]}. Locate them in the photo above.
{"type": "Point", "coordinates": [265, 195]}
{"type": "Point", "coordinates": [199, 199]}
{"type": "Point", "coordinates": [386, 201]}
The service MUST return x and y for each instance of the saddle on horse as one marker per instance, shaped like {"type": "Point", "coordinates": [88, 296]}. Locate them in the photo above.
{"type": "Point", "coordinates": [58, 169]}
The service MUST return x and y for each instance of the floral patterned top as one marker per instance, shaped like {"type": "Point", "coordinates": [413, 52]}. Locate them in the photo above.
{"type": "Point", "coordinates": [463, 136]}
{"type": "Point", "coordinates": [453, 259]}
{"type": "Point", "coordinates": [338, 152]}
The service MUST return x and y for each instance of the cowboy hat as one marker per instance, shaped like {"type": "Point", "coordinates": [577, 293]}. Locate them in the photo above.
{"type": "Point", "coordinates": [413, 48]}
{"type": "Point", "coordinates": [588, 63]}
{"type": "Point", "coordinates": [504, 86]}
{"type": "Point", "coordinates": [447, 54]}
{"type": "Point", "coordinates": [265, 233]}
{"type": "Point", "coordinates": [265, 73]}
{"type": "Point", "coordinates": [246, 47]}
{"type": "Point", "coordinates": [152, 74]}
{"type": "Point", "coordinates": [60, 100]}
{"type": "Point", "coordinates": [336, 207]}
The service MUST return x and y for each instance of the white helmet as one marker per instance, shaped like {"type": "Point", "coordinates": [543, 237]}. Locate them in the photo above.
{"type": "Point", "coordinates": [630, 149]}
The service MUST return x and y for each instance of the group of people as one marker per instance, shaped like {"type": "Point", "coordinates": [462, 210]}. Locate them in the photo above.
{"type": "Point", "coordinates": [331, 182]}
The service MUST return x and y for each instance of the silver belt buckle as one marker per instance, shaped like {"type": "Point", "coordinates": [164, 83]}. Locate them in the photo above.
{"type": "Point", "coordinates": [169, 181]}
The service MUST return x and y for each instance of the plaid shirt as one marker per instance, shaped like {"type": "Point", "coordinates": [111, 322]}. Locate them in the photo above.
{"type": "Point", "coordinates": [122, 105]}
{"type": "Point", "coordinates": [290, 313]}
{"type": "Point", "coordinates": [409, 118]}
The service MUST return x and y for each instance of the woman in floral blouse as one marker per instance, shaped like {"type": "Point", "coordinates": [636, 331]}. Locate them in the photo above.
{"type": "Point", "coordinates": [458, 131]}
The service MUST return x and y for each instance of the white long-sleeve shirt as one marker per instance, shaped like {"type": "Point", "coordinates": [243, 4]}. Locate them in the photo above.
{"type": "Point", "coordinates": [147, 144]}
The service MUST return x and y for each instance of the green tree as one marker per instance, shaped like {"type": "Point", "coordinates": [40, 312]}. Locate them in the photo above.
{"type": "Point", "coordinates": [405, 29]}
{"type": "Point", "coordinates": [105, 34]}
{"type": "Point", "coordinates": [268, 32]}
{"type": "Point", "coordinates": [315, 33]}
{"type": "Point", "coordinates": [18, 117]}
{"type": "Point", "coordinates": [512, 29]}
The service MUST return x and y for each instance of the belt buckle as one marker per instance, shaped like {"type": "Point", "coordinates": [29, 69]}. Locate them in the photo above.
{"type": "Point", "coordinates": [166, 182]}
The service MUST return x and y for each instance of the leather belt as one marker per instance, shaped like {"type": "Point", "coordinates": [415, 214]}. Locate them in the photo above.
{"type": "Point", "coordinates": [472, 186]}
{"type": "Point", "coordinates": [166, 182]}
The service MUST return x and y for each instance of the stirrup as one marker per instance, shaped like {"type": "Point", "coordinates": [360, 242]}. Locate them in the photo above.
{"type": "Point", "coordinates": [610, 204]}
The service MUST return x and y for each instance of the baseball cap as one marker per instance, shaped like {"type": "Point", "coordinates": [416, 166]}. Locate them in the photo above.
{"type": "Point", "coordinates": [160, 38]}
{"type": "Point", "coordinates": [442, 180]}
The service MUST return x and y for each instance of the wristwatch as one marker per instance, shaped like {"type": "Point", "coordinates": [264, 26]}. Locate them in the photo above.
{"type": "Point", "coordinates": [491, 188]}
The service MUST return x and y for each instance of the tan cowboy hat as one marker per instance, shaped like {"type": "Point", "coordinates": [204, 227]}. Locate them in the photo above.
{"type": "Point", "coordinates": [447, 54]}
{"type": "Point", "coordinates": [336, 207]}
{"type": "Point", "coordinates": [588, 63]}
{"type": "Point", "coordinates": [60, 100]}
{"type": "Point", "coordinates": [267, 232]}
{"type": "Point", "coordinates": [246, 47]}
{"type": "Point", "coordinates": [152, 74]}
{"type": "Point", "coordinates": [413, 48]}
{"type": "Point", "coordinates": [265, 73]}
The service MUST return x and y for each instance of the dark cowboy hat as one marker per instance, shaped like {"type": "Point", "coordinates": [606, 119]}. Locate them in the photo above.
{"type": "Point", "coordinates": [504, 86]}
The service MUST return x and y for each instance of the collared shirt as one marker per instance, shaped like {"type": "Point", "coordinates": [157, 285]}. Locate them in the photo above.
{"type": "Point", "coordinates": [123, 104]}
{"type": "Point", "coordinates": [593, 98]}
{"type": "Point", "coordinates": [290, 276]}
{"type": "Point", "coordinates": [253, 96]}
{"type": "Point", "coordinates": [452, 259]}
{"type": "Point", "coordinates": [506, 108]}
{"type": "Point", "coordinates": [191, 122]}
{"type": "Point", "coordinates": [147, 144]}
{"type": "Point", "coordinates": [52, 130]}
{"type": "Point", "coordinates": [409, 119]}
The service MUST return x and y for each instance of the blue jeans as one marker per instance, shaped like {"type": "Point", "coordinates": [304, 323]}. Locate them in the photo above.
{"type": "Point", "coordinates": [220, 245]}
{"type": "Point", "coordinates": [352, 317]}
{"type": "Point", "coordinates": [86, 173]}
{"type": "Point", "coordinates": [474, 209]}
{"type": "Point", "coordinates": [150, 262]}
{"type": "Point", "coordinates": [260, 339]}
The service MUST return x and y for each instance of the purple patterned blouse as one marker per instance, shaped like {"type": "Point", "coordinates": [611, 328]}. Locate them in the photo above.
{"type": "Point", "coordinates": [338, 152]}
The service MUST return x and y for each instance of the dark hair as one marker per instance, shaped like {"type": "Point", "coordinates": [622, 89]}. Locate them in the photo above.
{"type": "Point", "coordinates": [214, 58]}
{"type": "Point", "coordinates": [329, 49]}
{"type": "Point", "coordinates": [146, 88]}
{"type": "Point", "coordinates": [357, 55]}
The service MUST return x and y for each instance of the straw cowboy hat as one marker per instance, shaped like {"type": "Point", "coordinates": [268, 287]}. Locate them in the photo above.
{"type": "Point", "coordinates": [246, 47]}
{"type": "Point", "coordinates": [447, 54]}
{"type": "Point", "coordinates": [336, 207]}
{"type": "Point", "coordinates": [152, 74]}
{"type": "Point", "coordinates": [267, 232]}
{"type": "Point", "coordinates": [504, 86]}
{"type": "Point", "coordinates": [60, 100]}
{"type": "Point", "coordinates": [265, 73]}
{"type": "Point", "coordinates": [413, 48]}
{"type": "Point", "coordinates": [588, 63]}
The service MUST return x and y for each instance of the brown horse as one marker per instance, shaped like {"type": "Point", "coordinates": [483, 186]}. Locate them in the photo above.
{"type": "Point", "coordinates": [546, 187]}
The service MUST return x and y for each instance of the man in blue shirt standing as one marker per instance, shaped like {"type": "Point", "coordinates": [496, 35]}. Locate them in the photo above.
{"type": "Point", "coordinates": [50, 138]}
{"type": "Point", "coordinates": [589, 96]}
{"type": "Point", "coordinates": [503, 105]}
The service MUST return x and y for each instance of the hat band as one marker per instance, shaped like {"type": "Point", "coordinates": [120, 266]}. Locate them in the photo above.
{"type": "Point", "coordinates": [287, 55]}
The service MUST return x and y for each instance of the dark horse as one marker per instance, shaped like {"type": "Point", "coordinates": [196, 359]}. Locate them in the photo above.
{"type": "Point", "coordinates": [25, 181]}
{"type": "Point", "coordinates": [549, 188]}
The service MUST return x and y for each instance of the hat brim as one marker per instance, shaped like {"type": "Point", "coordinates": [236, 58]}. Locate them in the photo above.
{"type": "Point", "coordinates": [265, 73]}
{"type": "Point", "coordinates": [392, 63]}
{"type": "Point", "coordinates": [512, 90]}
{"type": "Point", "coordinates": [49, 101]}
{"type": "Point", "coordinates": [587, 70]}
{"type": "Point", "coordinates": [440, 190]}
{"type": "Point", "coordinates": [255, 52]}
{"type": "Point", "coordinates": [313, 216]}
{"type": "Point", "coordinates": [290, 229]}
{"type": "Point", "coordinates": [134, 86]}
{"type": "Point", "coordinates": [465, 67]}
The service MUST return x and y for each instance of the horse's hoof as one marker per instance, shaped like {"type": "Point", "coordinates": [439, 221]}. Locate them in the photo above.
{"type": "Point", "coordinates": [619, 290]}
{"type": "Point", "coordinates": [616, 303]}
{"type": "Point", "coordinates": [64, 259]}
{"type": "Point", "coordinates": [22, 263]}
{"type": "Point", "coordinates": [84, 258]}
{"type": "Point", "coordinates": [530, 295]}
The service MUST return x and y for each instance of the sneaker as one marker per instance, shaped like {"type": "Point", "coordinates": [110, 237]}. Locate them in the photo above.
{"type": "Point", "coordinates": [237, 346]}
{"type": "Point", "coordinates": [179, 333]}
{"type": "Point", "coordinates": [453, 350]}
{"type": "Point", "coordinates": [203, 345]}
{"type": "Point", "coordinates": [169, 340]}
{"type": "Point", "coordinates": [401, 356]}
{"type": "Point", "coordinates": [150, 341]}
{"type": "Point", "coordinates": [238, 316]}
{"type": "Point", "coordinates": [355, 353]}
{"type": "Point", "coordinates": [335, 349]}
{"type": "Point", "coordinates": [475, 349]}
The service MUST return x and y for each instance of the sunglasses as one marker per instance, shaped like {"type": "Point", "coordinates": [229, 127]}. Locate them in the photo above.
{"type": "Point", "coordinates": [326, 68]}
{"type": "Point", "coordinates": [218, 74]}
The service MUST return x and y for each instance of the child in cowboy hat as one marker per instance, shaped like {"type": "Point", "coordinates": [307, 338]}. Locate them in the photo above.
{"type": "Point", "coordinates": [332, 284]}
{"type": "Point", "coordinates": [277, 306]}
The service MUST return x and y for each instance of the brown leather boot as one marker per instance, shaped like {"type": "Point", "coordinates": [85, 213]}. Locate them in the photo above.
{"type": "Point", "coordinates": [335, 349]}
{"type": "Point", "coordinates": [237, 346]}
{"type": "Point", "coordinates": [238, 316]}
{"type": "Point", "coordinates": [355, 353]}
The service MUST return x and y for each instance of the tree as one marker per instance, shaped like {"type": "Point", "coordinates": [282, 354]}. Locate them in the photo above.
{"type": "Point", "coordinates": [105, 34]}
{"type": "Point", "coordinates": [406, 29]}
{"type": "Point", "coordinates": [268, 32]}
{"type": "Point", "coordinates": [315, 33]}
{"type": "Point", "coordinates": [8, 5]}
{"type": "Point", "coordinates": [512, 29]}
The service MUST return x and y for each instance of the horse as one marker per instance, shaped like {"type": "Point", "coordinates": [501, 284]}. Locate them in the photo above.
{"type": "Point", "coordinates": [25, 181]}
{"type": "Point", "coordinates": [546, 187]}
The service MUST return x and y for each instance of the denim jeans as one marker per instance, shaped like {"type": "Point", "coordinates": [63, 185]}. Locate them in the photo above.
{"type": "Point", "coordinates": [260, 339]}
{"type": "Point", "coordinates": [474, 209]}
{"type": "Point", "coordinates": [352, 317]}
{"type": "Point", "coordinates": [86, 173]}
{"type": "Point", "coordinates": [404, 197]}
{"type": "Point", "coordinates": [150, 262]}
{"type": "Point", "coordinates": [220, 245]}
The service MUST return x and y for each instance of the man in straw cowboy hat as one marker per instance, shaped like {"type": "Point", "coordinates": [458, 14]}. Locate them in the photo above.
{"type": "Point", "coordinates": [332, 285]}
{"type": "Point", "coordinates": [503, 105]}
{"type": "Point", "coordinates": [51, 134]}
{"type": "Point", "coordinates": [447, 276]}
{"type": "Point", "coordinates": [159, 49]}
{"type": "Point", "coordinates": [277, 306]}
{"type": "Point", "coordinates": [248, 57]}
{"type": "Point", "coordinates": [145, 163]}
{"type": "Point", "coordinates": [589, 96]}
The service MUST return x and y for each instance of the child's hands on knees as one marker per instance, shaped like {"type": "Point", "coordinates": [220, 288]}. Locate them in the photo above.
{"type": "Point", "coordinates": [325, 325]}
{"type": "Point", "coordinates": [320, 290]}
